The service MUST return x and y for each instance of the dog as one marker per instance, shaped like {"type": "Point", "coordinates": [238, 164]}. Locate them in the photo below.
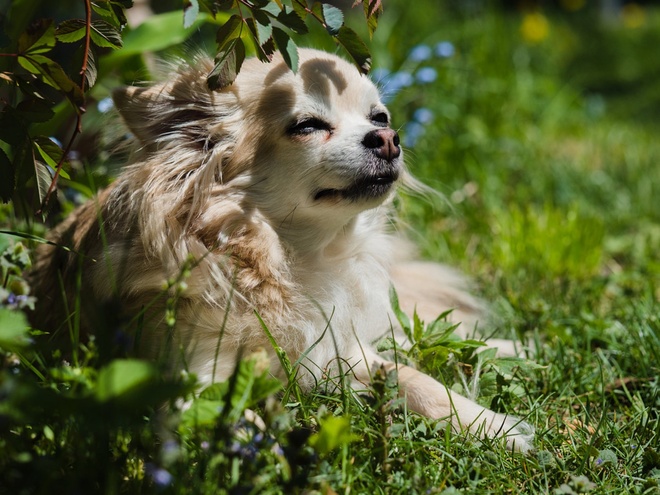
{"type": "Point", "coordinates": [265, 204]}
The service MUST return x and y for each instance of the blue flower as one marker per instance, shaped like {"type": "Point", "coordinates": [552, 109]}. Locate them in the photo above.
{"type": "Point", "coordinates": [445, 49]}
{"type": "Point", "coordinates": [161, 477]}
{"type": "Point", "coordinates": [423, 116]}
{"type": "Point", "coordinates": [420, 53]}
{"type": "Point", "coordinates": [105, 105]}
{"type": "Point", "coordinates": [394, 83]}
{"type": "Point", "coordinates": [426, 75]}
{"type": "Point", "coordinates": [413, 131]}
{"type": "Point", "coordinates": [379, 74]}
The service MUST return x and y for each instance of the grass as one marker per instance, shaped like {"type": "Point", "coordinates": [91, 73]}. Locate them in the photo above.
{"type": "Point", "coordinates": [551, 204]}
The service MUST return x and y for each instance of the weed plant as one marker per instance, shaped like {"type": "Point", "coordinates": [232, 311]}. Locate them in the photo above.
{"type": "Point", "coordinates": [549, 199]}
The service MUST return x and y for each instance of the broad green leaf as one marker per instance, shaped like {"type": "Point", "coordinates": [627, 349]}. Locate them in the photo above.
{"type": "Point", "coordinates": [334, 431]}
{"type": "Point", "coordinates": [104, 35]}
{"type": "Point", "coordinates": [334, 19]}
{"type": "Point", "coordinates": [149, 36]}
{"type": "Point", "coordinates": [200, 413]}
{"type": "Point", "coordinates": [124, 376]}
{"type": "Point", "coordinates": [227, 64]}
{"type": "Point", "coordinates": [13, 330]}
{"type": "Point", "coordinates": [70, 30]}
{"type": "Point", "coordinates": [190, 12]}
{"type": "Point", "coordinates": [287, 48]}
{"type": "Point", "coordinates": [355, 47]}
{"type": "Point", "coordinates": [38, 38]}
{"type": "Point", "coordinates": [6, 178]}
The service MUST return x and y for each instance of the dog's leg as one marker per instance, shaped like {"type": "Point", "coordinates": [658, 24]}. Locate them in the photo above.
{"type": "Point", "coordinates": [430, 398]}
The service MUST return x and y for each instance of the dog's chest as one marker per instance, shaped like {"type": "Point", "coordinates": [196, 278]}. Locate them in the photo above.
{"type": "Point", "coordinates": [352, 295]}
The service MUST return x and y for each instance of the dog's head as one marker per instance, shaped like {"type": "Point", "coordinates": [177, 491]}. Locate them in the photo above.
{"type": "Point", "coordinates": [306, 147]}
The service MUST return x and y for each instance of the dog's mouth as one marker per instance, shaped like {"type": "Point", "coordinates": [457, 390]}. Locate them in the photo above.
{"type": "Point", "coordinates": [364, 187]}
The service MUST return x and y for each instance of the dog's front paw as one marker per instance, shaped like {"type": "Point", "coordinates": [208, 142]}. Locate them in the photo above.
{"type": "Point", "coordinates": [519, 435]}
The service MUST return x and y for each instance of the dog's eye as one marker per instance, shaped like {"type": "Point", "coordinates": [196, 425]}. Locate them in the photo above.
{"type": "Point", "coordinates": [308, 126]}
{"type": "Point", "coordinates": [380, 119]}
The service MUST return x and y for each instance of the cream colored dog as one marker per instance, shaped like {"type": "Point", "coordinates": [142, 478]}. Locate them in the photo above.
{"type": "Point", "coordinates": [270, 197]}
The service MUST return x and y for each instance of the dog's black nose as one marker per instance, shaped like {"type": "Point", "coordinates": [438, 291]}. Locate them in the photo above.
{"type": "Point", "coordinates": [384, 143]}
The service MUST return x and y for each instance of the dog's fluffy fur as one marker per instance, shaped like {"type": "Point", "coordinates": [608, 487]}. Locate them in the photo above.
{"type": "Point", "coordinates": [274, 195]}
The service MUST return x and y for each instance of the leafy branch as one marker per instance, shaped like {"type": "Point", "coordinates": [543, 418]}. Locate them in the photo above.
{"type": "Point", "coordinates": [31, 67]}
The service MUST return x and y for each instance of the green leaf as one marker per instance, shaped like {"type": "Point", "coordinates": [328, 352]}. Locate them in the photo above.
{"type": "Point", "coordinates": [90, 70]}
{"type": "Point", "coordinates": [7, 180]}
{"type": "Point", "coordinates": [112, 12]}
{"type": "Point", "coordinates": [190, 12]}
{"type": "Point", "coordinates": [123, 377]}
{"type": "Point", "coordinates": [201, 412]}
{"type": "Point", "coordinates": [70, 31]}
{"type": "Point", "coordinates": [44, 178]}
{"type": "Point", "coordinates": [227, 65]}
{"type": "Point", "coordinates": [334, 431]}
{"type": "Point", "coordinates": [292, 20]}
{"type": "Point", "coordinates": [287, 48]}
{"type": "Point", "coordinates": [38, 38]}
{"type": "Point", "coordinates": [334, 19]}
{"type": "Point", "coordinates": [35, 110]}
{"type": "Point", "coordinates": [148, 36]}
{"type": "Point", "coordinates": [50, 152]}
{"type": "Point", "coordinates": [104, 35]}
{"type": "Point", "coordinates": [229, 31]}
{"type": "Point", "coordinates": [54, 75]}
{"type": "Point", "coordinates": [372, 11]}
{"type": "Point", "coordinates": [14, 329]}
{"type": "Point", "coordinates": [401, 317]}
{"type": "Point", "coordinates": [355, 48]}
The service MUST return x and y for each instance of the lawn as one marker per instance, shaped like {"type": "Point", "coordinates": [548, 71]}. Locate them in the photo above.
{"type": "Point", "coordinates": [539, 129]}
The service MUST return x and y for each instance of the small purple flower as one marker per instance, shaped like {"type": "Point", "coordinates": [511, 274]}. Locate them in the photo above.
{"type": "Point", "coordinates": [445, 49]}
{"type": "Point", "coordinates": [420, 53]}
{"type": "Point", "coordinates": [205, 445]}
{"type": "Point", "coordinates": [426, 75]}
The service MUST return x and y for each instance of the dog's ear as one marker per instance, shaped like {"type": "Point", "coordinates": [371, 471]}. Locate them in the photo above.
{"type": "Point", "coordinates": [182, 110]}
